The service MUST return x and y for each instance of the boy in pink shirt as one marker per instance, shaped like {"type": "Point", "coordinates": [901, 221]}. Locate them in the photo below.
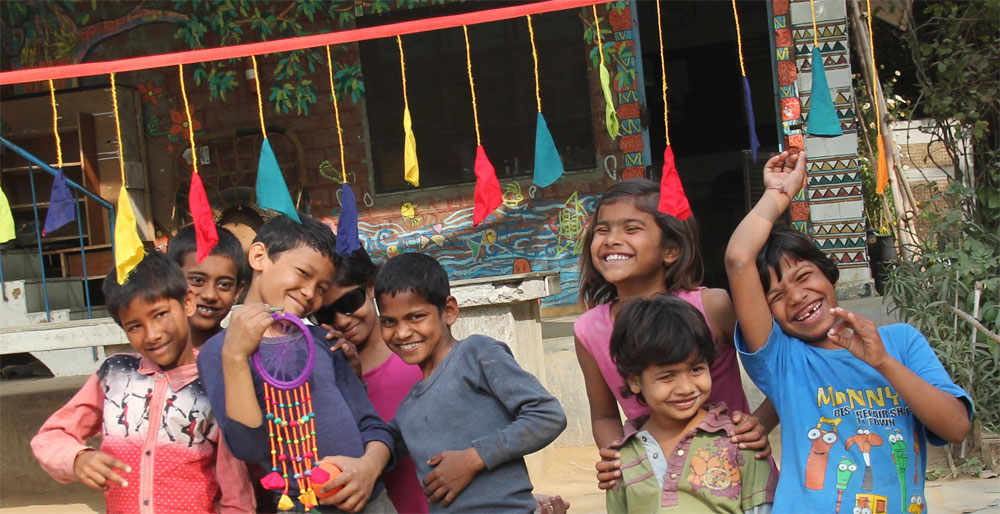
{"type": "Point", "coordinates": [157, 425]}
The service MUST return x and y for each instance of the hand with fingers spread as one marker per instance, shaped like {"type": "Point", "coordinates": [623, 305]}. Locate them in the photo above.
{"type": "Point", "coordinates": [859, 335]}
{"type": "Point", "coordinates": [750, 434]}
{"type": "Point", "coordinates": [453, 470]}
{"type": "Point", "coordinates": [96, 470]}
{"type": "Point", "coordinates": [350, 349]}
{"type": "Point", "coordinates": [609, 468]}
{"type": "Point", "coordinates": [786, 172]}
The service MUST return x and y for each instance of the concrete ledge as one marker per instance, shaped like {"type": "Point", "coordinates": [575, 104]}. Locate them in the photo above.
{"type": "Point", "coordinates": [505, 289]}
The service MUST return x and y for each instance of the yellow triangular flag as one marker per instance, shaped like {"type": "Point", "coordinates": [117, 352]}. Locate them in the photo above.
{"type": "Point", "coordinates": [411, 167]}
{"type": "Point", "coordinates": [128, 247]}
{"type": "Point", "coordinates": [6, 220]}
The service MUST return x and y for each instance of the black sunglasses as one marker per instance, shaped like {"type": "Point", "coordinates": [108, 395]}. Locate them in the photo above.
{"type": "Point", "coordinates": [346, 305]}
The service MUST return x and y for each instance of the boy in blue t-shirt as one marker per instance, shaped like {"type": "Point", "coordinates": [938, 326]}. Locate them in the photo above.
{"type": "Point", "coordinates": [858, 403]}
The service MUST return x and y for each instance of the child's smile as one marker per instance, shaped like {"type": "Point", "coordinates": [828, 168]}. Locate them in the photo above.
{"type": "Point", "coordinates": [801, 301]}
{"type": "Point", "coordinates": [159, 330]}
{"type": "Point", "coordinates": [213, 282]}
{"type": "Point", "coordinates": [674, 392]}
{"type": "Point", "coordinates": [627, 248]}
{"type": "Point", "coordinates": [416, 330]}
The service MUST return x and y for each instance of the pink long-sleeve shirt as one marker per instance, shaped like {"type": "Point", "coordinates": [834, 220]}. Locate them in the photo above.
{"type": "Point", "coordinates": [178, 466]}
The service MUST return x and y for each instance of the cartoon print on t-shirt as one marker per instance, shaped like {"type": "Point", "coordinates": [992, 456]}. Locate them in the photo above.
{"type": "Point", "coordinates": [865, 439]}
{"type": "Point", "coordinates": [870, 504]}
{"type": "Point", "coordinates": [822, 440]}
{"type": "Point", "coordinates": [717, 468]}
{"type": "Point", "coordinates": [899, 458]}
{"type": "Point", "coordinates": [845, 469]}
{"type": "Point", "coordinates": [916, 504]}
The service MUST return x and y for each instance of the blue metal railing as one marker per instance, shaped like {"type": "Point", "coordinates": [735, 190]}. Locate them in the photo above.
{"type": "Point", "coordinates": [77, 189]}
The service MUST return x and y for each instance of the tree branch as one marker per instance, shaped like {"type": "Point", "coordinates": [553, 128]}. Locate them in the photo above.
{"type": "Point", "coordinates": [974, 322]}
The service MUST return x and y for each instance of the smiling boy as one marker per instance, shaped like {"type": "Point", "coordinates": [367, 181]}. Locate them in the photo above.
{"type": "Point", "coordinates": [475, 415]}
{"type": "Point", "coordinates": [216, 281]}
{"type": "Point", "coordinates": [155, 415]}
{"type": "Point", "coordinates": [292, 267]}
{"type": "Point", "coordinates": [843, 387]}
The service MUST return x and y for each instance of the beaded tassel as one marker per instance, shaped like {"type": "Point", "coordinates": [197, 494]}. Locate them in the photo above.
{"type": "Point", "coordinates": [292, 435]}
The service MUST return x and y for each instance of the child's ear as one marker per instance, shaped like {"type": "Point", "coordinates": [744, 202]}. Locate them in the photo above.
{"type": "Point", "coordinates": [256, 256]}
{"type": "Point", "coordinates": [450, 313]}
{"type": "Point", "coordinates": [189, 304]}
{"type": "Point", "coordinates": [633, 384]}
{"type": "Point", "coordinates": [671, 255]}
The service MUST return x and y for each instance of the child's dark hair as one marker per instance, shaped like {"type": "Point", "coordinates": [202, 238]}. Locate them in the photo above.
{"type": "Point", "coordinates": [786, 241]}
{"type": "Point", "coordinates": [281, 233]}
{"type": "Point", "coordinates": [658, 331]}
{"type": "Point", "coordinates": [415, 272]}
{"type": "Point", "coordinates": [356, 269]}
{"type": "Point", "coordinates": [155, 277]}
{"type": "Point", "coordinates": [185, 242]}
{"type": "Point", "coordinates": [685, 273]}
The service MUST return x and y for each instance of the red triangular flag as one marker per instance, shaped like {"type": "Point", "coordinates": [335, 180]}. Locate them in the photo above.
{"type": "Point", "coordinates": [488, 195]}
{"type": "Point", "coordinates": [673, 201]}
{"type": "Point", "coordinates": [204, 222]}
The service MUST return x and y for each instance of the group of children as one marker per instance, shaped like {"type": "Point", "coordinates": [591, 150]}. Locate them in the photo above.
{"type": "Point", "coordinates": [418, 421]}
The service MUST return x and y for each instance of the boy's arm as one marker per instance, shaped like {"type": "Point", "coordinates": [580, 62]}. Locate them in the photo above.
{"type": "Point", "coordinates": [59, 445]}
{"type": "Point", "coordinates": [246, 329]}
{"type": "Point", "coordinates": [235, 488]}
{"type": "Point", "coordinates": [939, 411]}
{"type": "Point", "coordinates": [784, 173]}
{"type": "Point", "coordinates": [358, 477]}
{"type": "Point", "coordinates": [370, 424]}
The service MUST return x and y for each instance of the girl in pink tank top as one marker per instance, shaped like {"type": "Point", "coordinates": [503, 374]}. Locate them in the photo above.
{"type": "Point", "coordinates": [631, 249]}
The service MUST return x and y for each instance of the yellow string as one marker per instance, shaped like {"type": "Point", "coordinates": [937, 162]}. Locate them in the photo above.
{"type": "Point", "coordinates": [472, 83]}
{"type": "Point", "coordinates": [739, 39]}
{"type": "Point", "coordinates": [118, 128]}
{"type": "Point", "coordinates": [534, 57]}
{"type": "Point", "coordinates": [55, 125]}
{"type": "Point", "coordinates": [663, 70]}
{"type": "Point", "coordinates": [336, 113]}
{"type": "Point", "coordinates": [187, 111]}
{"type": "Point", "coordinates": [260, 103]}
{"type": "Point", "coordinates": [875, 92]}
{"type": "Point", "coordinates": [812, 7]}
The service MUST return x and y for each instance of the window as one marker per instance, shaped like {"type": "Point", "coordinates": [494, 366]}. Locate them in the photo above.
{"type": "Point", "coordinates": [441, 106]}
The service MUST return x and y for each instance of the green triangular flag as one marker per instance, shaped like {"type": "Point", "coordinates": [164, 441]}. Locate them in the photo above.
{"type": "Point", "coordinates": [548, 166]}
{"type": "Point", "coordinates": [272, 192]}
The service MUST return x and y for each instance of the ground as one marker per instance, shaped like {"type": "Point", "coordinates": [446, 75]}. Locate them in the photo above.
{"type": "Point", "coordinates": [570, 474]}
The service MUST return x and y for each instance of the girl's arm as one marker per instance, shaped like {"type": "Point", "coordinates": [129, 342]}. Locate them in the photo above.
{"type": "Point", "coordinates": [783, 177]}
{"type": "Point", "coordinates": [605, 421]}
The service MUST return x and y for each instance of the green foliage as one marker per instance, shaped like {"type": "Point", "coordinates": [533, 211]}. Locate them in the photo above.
{"type": "Point", "coordinates": [876, 216]}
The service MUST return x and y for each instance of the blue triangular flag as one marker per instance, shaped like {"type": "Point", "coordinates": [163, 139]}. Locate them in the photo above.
{"type": "Point", "coordinates": [823, 119]}
{"type": "Point", "coordinates": [62, 207]}
{"type": "Point", "coordinates": [347, 227]}
{"type": "Point", "coordinates": [272, 192]}
{"type": "Point", "coordinates": [548, 166]}
{"type": "Point", "coordinates": [754, 143]}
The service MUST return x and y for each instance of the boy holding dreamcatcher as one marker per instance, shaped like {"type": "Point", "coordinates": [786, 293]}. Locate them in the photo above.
{"type": "Point", "coordinates": [475, 414]}
{"type": "Point", "coordinates": [284, 400]}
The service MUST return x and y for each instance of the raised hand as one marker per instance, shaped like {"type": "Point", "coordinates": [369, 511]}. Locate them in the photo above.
{"type": "Point", "coordinates": [786, 171]}
{"type": "Point", "coordinates": [96, 470]}
{"type": "Point", "coordinates": [859, 335]}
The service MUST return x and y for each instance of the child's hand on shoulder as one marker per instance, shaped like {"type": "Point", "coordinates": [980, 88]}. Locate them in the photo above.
{"type": "Point", "coordinates": [357, 477]}
{"type": "Point", "coordinates": [96, 470]}
{"type": "Point", "coordinates": [350, 349]}
{"type": "Point", "coordinates": [246, 329]}
{"type": "Point", "coordinates": [749, 434]}
{"type": "Point", "coordinates": [859, 335]}
{"type": "Point", "coordinates": [453, 470]}
{"type": "Point", "coordinates": [609, 468]}
{"type": "Point", "coordinates": [787, 172]}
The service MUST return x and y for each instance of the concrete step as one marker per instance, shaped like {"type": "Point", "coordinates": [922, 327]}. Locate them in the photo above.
{"type": "Point", "coordinates": [20, 264]}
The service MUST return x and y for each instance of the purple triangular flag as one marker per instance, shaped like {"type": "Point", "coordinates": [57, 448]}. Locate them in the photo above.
{"type": "Point", "coordinates": [62, 207]}
{"type": "Point", "coordinates": [754, 143]}
{"type": "Point", "coordinates": [347, 226]}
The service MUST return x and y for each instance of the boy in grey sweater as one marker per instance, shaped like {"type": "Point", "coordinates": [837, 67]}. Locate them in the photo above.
{"type": "Point", "coordinates": [475, 415]}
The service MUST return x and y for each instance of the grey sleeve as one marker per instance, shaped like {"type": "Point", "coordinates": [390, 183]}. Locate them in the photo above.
{"type": "Point", "coordinates": [538, 417]}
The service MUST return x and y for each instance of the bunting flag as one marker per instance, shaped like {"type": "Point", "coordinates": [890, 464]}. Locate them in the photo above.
{"type": "Point", "coordinates": [62, 206]}
{"type": "Point", "coordinates": [206, 235]}
{"type": "Point", "coordinates": [747, 101]}
{"type": "Point", "coordinates": [272, 192]}
{"type": "Point", "coordinates": [823, 120]}
{"type": "Point", "coordinates": [610, 115]}
{"type": "Point", "coordinates": [882, 167]}
{"type": "Point", "coordinates": [673, 201]}
{"type": "Point", "coordinates": [128, 247]}
{"type": "Point", "coordinates": [548, 165]}
{"type": "Point", "coordinates": [347, 226]}
{"type": "Point", "coordinates": [411, 167]}
{"type": "Point", "coordinates": [6, 220]}
{"type": "Point", "coordinates": [487, 194]}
